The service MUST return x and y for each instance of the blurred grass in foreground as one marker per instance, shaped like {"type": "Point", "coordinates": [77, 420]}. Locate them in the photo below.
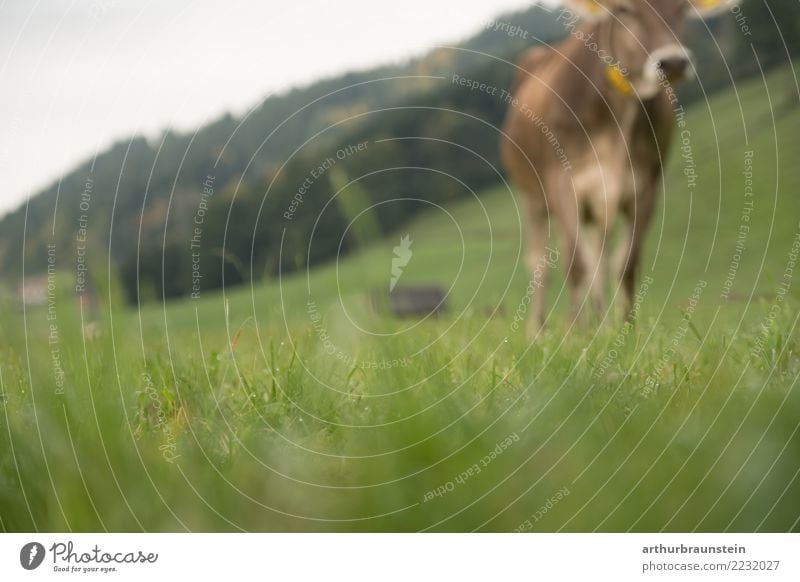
{"type": "Point", "coordinates": [213, 415]}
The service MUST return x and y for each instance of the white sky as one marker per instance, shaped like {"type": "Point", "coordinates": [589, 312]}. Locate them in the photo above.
{"type": "Point", "coordinates": [76, 75]}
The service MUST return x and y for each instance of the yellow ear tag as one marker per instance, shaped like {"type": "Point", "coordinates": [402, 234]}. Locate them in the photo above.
{"type": "Point", "coordinates": [594, 7]}
{"type": "Point", "coordinates": [709, 4]}
{"type": "Point", "coordinates": [619, 81]}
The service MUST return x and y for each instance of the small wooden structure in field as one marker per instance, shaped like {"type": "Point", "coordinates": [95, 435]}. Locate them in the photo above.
{"type": "Point", "coordinates": [417, 301]}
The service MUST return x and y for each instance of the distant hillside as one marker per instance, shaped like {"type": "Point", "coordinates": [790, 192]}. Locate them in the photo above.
{"type": "Point", "coordinates": [152, 196]}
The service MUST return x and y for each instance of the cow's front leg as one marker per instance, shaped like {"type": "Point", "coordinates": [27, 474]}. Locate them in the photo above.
{"type": "Point", "coordinates": [599, 213]}
{"type": "Point", "coordinates": [637, 213]}
{"type": "Point", "coordinates": [595, 242]}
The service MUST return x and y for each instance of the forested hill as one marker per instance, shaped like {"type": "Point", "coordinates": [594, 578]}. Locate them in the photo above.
{"type": "Point", "coordinates": [218, 202]}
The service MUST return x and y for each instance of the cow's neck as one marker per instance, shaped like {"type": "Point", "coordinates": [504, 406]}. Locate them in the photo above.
{"type": "Point", "coordinates": [614, 87]}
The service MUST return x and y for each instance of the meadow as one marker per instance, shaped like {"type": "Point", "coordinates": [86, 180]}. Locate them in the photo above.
{"type": "Point", "coordinates": [298, 404]}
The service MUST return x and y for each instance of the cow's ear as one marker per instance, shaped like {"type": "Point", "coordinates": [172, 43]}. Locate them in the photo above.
{"type": "Point", "coordinates": [586, 9]}
{"type": "Point", "coordinates": [709, 8]}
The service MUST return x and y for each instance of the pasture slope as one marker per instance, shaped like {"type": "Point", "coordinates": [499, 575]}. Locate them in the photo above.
{"type": "Point", "coordinates": [297, 405]}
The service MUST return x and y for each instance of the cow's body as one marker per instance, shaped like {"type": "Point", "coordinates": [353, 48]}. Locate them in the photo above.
{"type": "Point", "coordinates": [585, 146]}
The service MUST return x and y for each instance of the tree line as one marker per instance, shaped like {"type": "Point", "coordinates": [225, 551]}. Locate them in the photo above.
{"type": "Point", "coordinates": [325, 168]}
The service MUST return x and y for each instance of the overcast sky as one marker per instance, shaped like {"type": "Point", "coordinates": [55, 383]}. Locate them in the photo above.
{"type": "Point", "coordinates": [76, 75]}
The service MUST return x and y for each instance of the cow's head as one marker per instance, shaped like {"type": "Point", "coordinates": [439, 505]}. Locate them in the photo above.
{"type": "Point", "coordinates": [644, 36]}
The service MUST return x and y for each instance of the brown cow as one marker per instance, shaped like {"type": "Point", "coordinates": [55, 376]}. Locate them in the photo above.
{"type": "Point", "coordinates": [587, 133]}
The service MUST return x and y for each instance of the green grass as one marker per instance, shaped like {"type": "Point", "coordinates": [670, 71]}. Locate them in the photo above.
{"type": "Point", "coordinates": [230, 413]}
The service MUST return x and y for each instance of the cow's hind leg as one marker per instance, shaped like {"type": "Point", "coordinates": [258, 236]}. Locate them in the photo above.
{"type": "Point", "coordinates": [540, 259]}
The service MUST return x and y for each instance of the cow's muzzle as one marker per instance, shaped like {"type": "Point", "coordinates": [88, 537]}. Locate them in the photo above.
{"type": "Point", "coordinates": [672, 62]}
